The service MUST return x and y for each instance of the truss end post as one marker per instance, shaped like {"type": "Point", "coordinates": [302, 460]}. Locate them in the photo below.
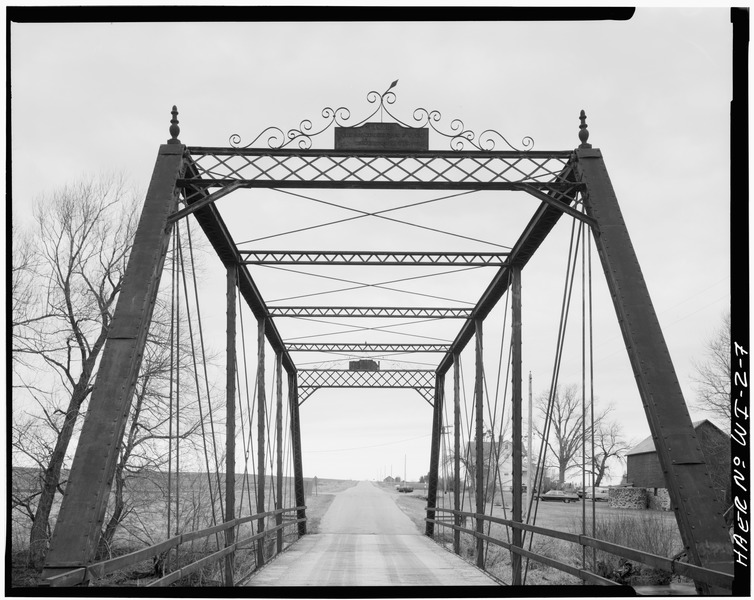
{"type": "Point", "coordinates": [174, 129]}
{"type": "Point", "coordinates": [583, 131]}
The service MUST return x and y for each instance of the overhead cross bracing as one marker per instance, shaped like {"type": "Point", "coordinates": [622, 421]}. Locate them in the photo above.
{"type": "Point", "coordinates": [271, 257]}
{"type": "Point", "coordinates": [369, 311]}
{"type": "Point", "coordinates": [423, 381]}
{"type": "Point", "coordinates": [217, 167]}
{"type": "Point", "coordinates": [251, 186]}
{"type": "Point", "coordinates": [335, 347]}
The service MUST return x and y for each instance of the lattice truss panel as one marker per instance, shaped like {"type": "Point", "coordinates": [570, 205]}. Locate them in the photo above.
{"type": "Point", "coordinates": [309, 381]}
{"type": "Point", "coordinates": [272, 257]}
{"type": "Point", "coordinates": [218, 166]}
{"type": "Point", "coordinates": [364, 311]}
{"type": "Point", "coordinates": [351, 347]}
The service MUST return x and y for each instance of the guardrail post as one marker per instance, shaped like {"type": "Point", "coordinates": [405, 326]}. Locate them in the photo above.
{"type": "Point", "coordinates": [516, 417]}
{"type": "Point", "coordinates": [479, 462]}
{"type": "Point", "coordinates": [261, 402]}
{"type": "Point", "coordinates": [230, 424]}
{"type": "Point", "coordinates": [279, 442]}
{"type": "Point", "coordinates": [456, 453]}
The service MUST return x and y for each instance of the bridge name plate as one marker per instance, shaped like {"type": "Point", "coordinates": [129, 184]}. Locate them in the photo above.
{"type": "Point", "coordinates": [381, 136]}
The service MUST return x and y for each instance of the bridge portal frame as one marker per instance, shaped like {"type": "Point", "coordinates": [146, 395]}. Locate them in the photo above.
{"type": "Point", "coordinates": [557, 179]}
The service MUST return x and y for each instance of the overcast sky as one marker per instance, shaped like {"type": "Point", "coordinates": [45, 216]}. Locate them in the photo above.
{"type": "Point", "coordinates": [91, 98]}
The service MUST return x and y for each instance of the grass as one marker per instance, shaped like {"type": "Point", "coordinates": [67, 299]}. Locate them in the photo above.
{"type": "Point", "coordinates": [650, 531]}
{"type": "Point", "coordinates": [317, 505]}
{"type": "Point", "coordinates": [21, 574]}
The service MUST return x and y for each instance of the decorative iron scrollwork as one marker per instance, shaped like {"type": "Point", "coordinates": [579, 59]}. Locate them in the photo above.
{"type": "Point", "coordinates": [459, 137]}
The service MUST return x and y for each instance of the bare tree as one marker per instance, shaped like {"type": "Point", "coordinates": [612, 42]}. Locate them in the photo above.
{"type": "Point", "coordinates": [144, 449]}
{"type": "Point", "coordinates": [26, 310]}
{"type": "Point", "coordinates": [567, 426]}
{"type": "Point", "coordinates": [609, 443]}
{"type": "Point", "coordinates": [84, 233]}
{"type": "Point", "coordinates": [65, 288]}
{"type": "Point", "coordinates": [713, 376]}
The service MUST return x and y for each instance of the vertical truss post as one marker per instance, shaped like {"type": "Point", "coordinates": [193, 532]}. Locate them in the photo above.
{"type": "Point", "coordinates": [456, 452]}
{"type": "Point", "coordinates": [697, 510]}
{"type": "Point", "coordinates": [298, 469]}
{"type": "Point", "coordinates": [434, 457]}
{"type": "Point", "coordinates": [79, 524]}
{"type": "Point", "coordinates": [230, 423]}
{"type": "Point", "coordinates": [279, 444]}
{"type": "Point", "coordinates": [479, 463]}
{"type": "Point", "coordinates": [517, 417]}
{"type": "Point", "coordinates": [261, 402]}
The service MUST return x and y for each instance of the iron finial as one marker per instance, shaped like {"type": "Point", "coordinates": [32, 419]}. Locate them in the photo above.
{"type": "Point", "coordinates": [174, 129]}
{"type": "Point", "coordinates": [583, 131]}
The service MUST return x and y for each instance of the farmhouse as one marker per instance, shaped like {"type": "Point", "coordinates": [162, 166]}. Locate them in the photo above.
{"type": "Point", "coordinates": [643, 466]}
{"type": "Point", "coordinates": [504, 474]}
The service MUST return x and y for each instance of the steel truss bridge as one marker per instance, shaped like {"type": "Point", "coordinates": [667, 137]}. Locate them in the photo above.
{"type": "Point", "coordinates": [190, 180]}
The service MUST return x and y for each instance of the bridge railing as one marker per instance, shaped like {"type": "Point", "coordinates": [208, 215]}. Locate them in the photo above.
{"type": "Point", "coordinates": [697, 573]}
{"type": "Point", "coordinates": [99, 570]}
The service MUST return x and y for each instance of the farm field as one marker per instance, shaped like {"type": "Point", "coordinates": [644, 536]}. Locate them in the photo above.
{"type": "Point", "coordinates": [146, 523]}
{"type": "Point", "coordinates": [653, 531]}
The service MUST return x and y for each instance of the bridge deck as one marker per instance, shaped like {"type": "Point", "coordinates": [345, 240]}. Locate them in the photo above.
{"type": "Point", "coordinates": [365, 539]}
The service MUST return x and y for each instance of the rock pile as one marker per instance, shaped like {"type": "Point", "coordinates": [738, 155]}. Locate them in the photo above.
{"type": "Point", "coordinates": [628, 497]}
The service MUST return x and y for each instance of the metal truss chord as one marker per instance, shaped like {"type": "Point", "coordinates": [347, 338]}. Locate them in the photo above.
{"type": "Point", "coordinates": [332, 168]}
{"type": "Point", "coordinates": [207, 199]}
{"type": "Point", "coordinates": [277, 257]}
{"type": "Point", "coordinates": [423, 381]}
{"type": "Point", "coordinates": [560, 199]}
{"type": "Point", "coordinates": [367, 311]}
{"type": "Point", "coordinates": [345, 347]}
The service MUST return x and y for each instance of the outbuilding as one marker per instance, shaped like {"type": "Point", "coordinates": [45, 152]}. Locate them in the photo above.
{"type": "Point", "coordinates": [643, 468]}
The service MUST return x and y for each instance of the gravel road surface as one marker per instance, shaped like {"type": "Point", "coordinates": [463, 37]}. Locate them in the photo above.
{"type": "Point", "coordinates": [365, 539]}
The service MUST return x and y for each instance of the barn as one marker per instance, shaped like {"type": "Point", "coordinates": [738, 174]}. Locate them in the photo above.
{"type": "Point", "coordinates": [643, 466]}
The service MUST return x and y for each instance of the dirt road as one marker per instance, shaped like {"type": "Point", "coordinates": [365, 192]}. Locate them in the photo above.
{"type": "Point", "coordinates": [365, 539]}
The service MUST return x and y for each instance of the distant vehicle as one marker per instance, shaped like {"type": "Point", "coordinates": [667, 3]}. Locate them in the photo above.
{"type": "Point", "coordinates": [601, 494]}
{"type": "Point", "coordinates": [559, 496]}
{"type": "Point", "coordinates": [404, 489]}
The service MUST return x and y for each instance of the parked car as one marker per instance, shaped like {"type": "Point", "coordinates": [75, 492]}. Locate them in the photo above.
{"type": "Point", "coordinates": [559, 496]}
{"type": "Point", "coordinates": [404, 489]}
{"type": "Point", "coordinates": [601, 494]}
